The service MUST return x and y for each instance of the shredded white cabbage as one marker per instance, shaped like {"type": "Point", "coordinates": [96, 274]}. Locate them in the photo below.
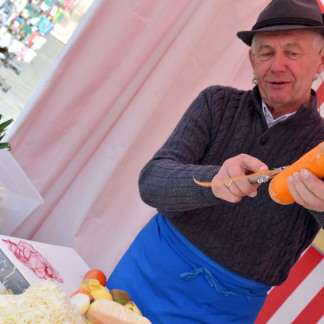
{"type": "Point", "coordinates": [43, 302]}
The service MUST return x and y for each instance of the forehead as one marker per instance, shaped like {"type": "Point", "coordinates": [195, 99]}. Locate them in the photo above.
{"type": "Point", "coordinates": [302, 38]}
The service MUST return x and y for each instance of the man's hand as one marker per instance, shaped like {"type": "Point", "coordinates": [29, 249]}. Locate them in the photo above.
{"type": "Point", "coordinates": [307, 190]}
{"type": "Point", "coordinates": [235, 167]}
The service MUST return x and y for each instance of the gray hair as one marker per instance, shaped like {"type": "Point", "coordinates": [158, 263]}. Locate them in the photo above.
{"type": "Point", "coordinates": [318, 41]}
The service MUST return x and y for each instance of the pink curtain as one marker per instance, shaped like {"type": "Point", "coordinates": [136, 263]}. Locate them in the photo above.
{"type": "Point", "coordinates": [109, 102]}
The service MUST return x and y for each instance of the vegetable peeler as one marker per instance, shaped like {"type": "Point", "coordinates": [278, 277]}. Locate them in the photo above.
{"type": "Point", "coordinates": [265, 177]}
{"type": "Point", "coordinates": [259, 177]}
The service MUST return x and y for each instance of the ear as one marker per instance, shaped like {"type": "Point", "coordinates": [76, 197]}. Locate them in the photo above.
{"type": "Point", "coordinates": [320, 67]}
{"type": "Point", "coordinates": [251, 57]}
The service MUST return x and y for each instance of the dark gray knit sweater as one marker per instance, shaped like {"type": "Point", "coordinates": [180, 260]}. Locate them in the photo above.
{"type": "Point", "coordinates": [255, 238]}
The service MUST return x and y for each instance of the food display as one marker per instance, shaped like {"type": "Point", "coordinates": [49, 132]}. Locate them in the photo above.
{"type": "Point", "coordinates": [98, 305]}
{"type": "Point", "coordinates": [45, 302]}
{"type": "Point", "coordinates": [48, 284]}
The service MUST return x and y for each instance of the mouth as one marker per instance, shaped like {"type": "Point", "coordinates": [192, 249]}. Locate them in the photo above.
{"type": "Point", "coordinates": [278, 82]}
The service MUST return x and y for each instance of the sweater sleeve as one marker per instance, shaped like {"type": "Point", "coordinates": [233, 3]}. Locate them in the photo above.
{"type": "Point", "coordinates": [166, 182]}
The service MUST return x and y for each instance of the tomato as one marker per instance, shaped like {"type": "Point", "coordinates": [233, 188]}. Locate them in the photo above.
{"type": "Point", "coordinates": [96, 274]}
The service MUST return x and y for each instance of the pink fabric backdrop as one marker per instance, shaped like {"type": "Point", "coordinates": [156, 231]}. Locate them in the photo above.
{"type": "Point", "coordinates": [108, 103]}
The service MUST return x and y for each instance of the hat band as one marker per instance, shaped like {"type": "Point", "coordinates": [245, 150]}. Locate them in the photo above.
{"type": "Point", "coordinates": [286, 21]}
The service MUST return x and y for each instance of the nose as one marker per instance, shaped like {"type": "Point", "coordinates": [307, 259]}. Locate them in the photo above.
{"type": "Point", "coordinates": [278, 62]}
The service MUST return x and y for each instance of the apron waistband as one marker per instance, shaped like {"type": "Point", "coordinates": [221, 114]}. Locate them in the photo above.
{"type": "Point", "coordinates": [222, 280]}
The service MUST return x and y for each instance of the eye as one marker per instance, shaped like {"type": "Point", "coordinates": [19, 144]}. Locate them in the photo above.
{"type": "Point", "coordinates": [293, 55]}
{"type": "Point", "coordinates": [265, 56]}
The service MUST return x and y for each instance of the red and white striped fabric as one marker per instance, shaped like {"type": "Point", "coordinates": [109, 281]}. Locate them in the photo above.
{"type": "Point", "coordinates": [300, 299]}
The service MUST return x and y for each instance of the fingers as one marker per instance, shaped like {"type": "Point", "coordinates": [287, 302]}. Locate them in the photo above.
{"type": "Point", "coordinates": [224, 191]}
{"type": "Point", "coordinates": [240, 187]}
{"type": "Point", "coordinates": [230, 195]}
{"type": "Point", "coordinates": [307, 190]}
{"type": "Point", "coordinates": [238, 192]}
{"type": "Point", "coordinates": [252, 165]}
{"type": "Point", "coordinates": [245, 164]}
{"type": "Point", "coordinates": [236, 167]}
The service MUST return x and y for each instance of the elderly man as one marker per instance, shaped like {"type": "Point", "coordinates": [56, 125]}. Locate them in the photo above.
{"type": "Point", "coordinates": [210, 255]}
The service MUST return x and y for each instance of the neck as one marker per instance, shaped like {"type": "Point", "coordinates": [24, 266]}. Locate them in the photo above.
{"type": "Point", "coordinates": [276, 113]}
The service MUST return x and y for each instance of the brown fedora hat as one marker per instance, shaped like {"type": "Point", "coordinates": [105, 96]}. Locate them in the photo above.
{"type": "Point", "coordinates": [286, 15]}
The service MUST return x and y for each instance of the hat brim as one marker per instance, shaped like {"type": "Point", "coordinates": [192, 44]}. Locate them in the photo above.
{"type": "Point", "coordinates": [246, 36]}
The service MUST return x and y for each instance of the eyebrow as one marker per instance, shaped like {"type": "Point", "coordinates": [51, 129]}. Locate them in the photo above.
{"type": "Point", "coordinates": [288, 45]}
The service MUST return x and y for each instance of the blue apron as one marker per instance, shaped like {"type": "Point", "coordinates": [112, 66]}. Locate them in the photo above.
{"type": "Point", "coordinates": [173, 282]}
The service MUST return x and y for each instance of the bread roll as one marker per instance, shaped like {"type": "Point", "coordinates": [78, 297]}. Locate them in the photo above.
{"type": "Point", "coordinates": [103, 311]}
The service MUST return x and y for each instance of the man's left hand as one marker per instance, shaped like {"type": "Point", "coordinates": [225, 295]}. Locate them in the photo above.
{"type": "Point", "coordinates": [307, 190]}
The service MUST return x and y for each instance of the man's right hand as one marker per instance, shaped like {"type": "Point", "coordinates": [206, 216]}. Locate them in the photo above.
{"type": "Point", "coordinates": [240, 165]}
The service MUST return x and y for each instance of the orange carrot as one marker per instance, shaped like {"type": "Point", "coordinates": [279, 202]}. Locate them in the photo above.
{"type": "Point", "coordinates": [312, 161]}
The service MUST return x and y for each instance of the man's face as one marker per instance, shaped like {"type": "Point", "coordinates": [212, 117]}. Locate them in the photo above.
{"type": "Point", "coordinates": [284, 64]}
